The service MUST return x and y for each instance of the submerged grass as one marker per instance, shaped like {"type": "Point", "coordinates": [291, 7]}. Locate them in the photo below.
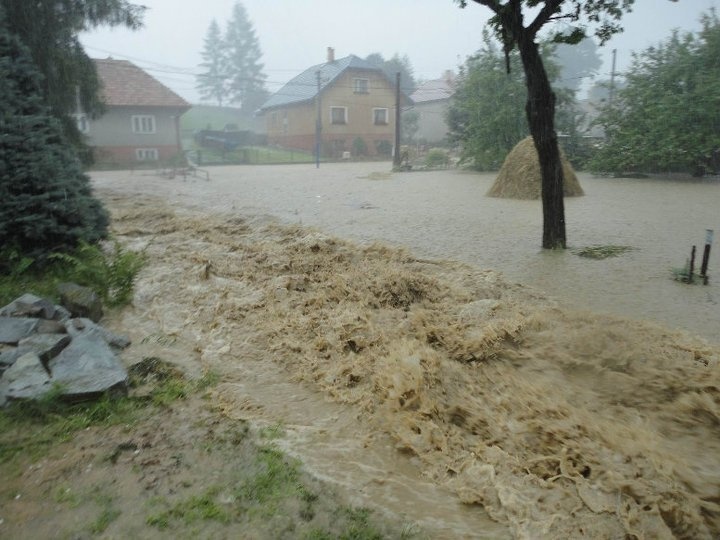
{"type": "Point", "coordinates": [602, 251]}
{"type": "Point", "coordinates": [191, 510]}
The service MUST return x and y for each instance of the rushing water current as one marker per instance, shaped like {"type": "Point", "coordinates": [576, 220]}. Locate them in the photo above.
{"type": "Point", "coordinates": [446, 214]}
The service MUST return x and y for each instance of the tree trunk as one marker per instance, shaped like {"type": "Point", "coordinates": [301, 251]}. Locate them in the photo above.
{"type": "Point", "coordinates": [540, 111]}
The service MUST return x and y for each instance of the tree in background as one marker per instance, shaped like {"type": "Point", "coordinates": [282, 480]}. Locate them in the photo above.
{"type": "Point", "coordinates": [508, 22]}
{"type": "Point", "coordinates": [667, 117]}
{"type": "Point", "coordinates": [486, 112]}
{"type": "Point", "coordinates": [409, 126]}
{"type": "Point", "coordinates": [211, 82]}
{"type": "Point", "coordinates": [50, 31]}
{"type": "Point", "coordinates": [577, 62]}
{"type": "Point", "coordinates": [396, 64]}
{"type": "Point", "coordinates": [46, 204]}
{"type": "Point", "coordinates": [246, 80]}
{"type": "Point", "coordinates": [486, 115]}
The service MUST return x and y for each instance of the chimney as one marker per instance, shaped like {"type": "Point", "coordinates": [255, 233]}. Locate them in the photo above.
{"type": "Point", "coordinates": [330, 55]}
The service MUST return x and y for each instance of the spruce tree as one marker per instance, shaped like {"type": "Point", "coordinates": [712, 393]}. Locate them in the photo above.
{"type": "Point", "coordinates": [46, 203]}
{"type": "Point", "coordinates": [246, 84]}
{"type": "Point", "coordinates": [211, 82]}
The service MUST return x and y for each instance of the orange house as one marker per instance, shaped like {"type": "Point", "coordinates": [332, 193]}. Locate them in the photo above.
{"type": "Point", "coordinates": [356, 102]}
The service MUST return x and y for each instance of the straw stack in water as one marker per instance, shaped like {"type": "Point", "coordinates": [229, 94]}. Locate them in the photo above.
{"type": "Point", "coordinates": [520, 176]}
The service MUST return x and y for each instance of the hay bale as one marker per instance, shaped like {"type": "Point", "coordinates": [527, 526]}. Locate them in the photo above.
{"type": "Point", "coordinates": [520, 176]}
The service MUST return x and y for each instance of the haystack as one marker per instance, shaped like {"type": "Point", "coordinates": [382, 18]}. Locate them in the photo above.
{"type": "Point", "coordinates": [520, 176]}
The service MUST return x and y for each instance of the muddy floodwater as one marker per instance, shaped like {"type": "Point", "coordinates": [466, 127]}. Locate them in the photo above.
{"type": "Point", "coordinates": [446, 215]}
{"type": "Point", "coordinates": [416, 377]}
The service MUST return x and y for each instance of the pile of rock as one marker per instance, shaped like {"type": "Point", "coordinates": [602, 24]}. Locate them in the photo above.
{"type": "Point", "coordinates": [43, 345]}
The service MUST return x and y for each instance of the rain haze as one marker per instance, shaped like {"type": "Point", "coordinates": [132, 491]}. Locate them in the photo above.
{"type": "Point", "coordinates": [318, 304]}
{"type": "Point", "coordinates": [436, 35]}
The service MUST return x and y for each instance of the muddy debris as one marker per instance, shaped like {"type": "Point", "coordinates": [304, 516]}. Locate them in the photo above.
{"type": "Point", "coordinates": [559, 424]}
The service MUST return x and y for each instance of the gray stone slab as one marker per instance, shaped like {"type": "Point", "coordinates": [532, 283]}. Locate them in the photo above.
{"type": "Point", "coordinates": [50, 327]}
{"type": "Point", "coordinates": [29, 305]}
{"type": "Point", "coordinates": [26, 378]}
{"type": "Point", "coordinates": [61, 314]}
{"type": "Point", "coordinates": [46, 346]}
{"type": "Point", "coordinates": [80, 326]}
{"type": "Point", "coordinates": [8, 358]}
{"type": "Point", "coordinates": [88, 366]}
{"type": "Point", "coordinates": [13, 329]}
{"type": "Point", "coordinates": [80, 301]}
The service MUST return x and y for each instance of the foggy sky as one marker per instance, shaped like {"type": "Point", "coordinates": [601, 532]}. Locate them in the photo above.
{"type": "Point", "coordinates": [294, 34]}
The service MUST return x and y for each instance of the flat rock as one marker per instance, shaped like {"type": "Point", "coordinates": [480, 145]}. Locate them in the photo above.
{"type": "Point", "coordinates": [9, 357]}
{"type": "Point", "coordinates": [26, 378]}
{"type": "Point", "coordinates": [11, 309]}
{"type": "Point", "coordinates": [88, 366]}
{"type": "Point", "coordinates": [13, 329]}
{"type": "Point", "coordinates": [80, 326]}
{"type": "Point", "coordinates": [50, 327]}
{"type": "Point", "coordinates": [46, 346]}
{"type": "Point", "coordinates": [80, 301]}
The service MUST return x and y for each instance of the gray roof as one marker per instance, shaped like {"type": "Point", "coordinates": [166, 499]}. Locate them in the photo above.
{"type": "Point", "coordinates": [304, 87]}
{"type": "Point", "coordinates": [435, 90]}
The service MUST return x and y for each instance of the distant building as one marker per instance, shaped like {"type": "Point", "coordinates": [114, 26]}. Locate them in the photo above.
{"type": "Point", "coordinates": [357, 109]}
{"type": "Point", "coordinates": [141, 121]}
{"type": "Point", "coordinates": [431, 101]}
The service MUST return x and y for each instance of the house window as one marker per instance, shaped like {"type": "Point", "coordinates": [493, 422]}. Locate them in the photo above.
{"type": "Point", "coordinates": [338, 115]}
{"type": "Point", "coordinates": [143, 124]}
{"type": "Point", "coordinates": [361, 86]}
{"type": "Point", "coordinates": [380, 117]}
{"type": "Point", "coordinates": [82, 123]}
{"type": "Point", "coordinates": [273, 119]}
{"type": "Point", "coordinates": [146, 154]}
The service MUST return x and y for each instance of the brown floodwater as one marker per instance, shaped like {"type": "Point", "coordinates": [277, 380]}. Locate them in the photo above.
{"type": "Point", "coordinates": [445, 214]}
{"type": "Point", "coordinates": [420, 384]}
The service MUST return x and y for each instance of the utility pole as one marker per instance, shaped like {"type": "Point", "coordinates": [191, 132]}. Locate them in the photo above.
{"type": "Point", "coordinates": [318, 123]}
{"type": "Point", "coordinates": [611, 96]}
{"type": "Point", "coordinates": [396, 156]}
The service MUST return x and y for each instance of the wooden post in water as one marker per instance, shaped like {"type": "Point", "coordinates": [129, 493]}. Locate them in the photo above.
{"type": "Point", "coordinates": [706, 255]}
{"type": "Point", "coordinates": [691, 269]}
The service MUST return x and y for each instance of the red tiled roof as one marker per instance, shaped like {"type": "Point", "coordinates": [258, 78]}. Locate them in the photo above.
{"type": "Point", "coordinates": [125, 84]}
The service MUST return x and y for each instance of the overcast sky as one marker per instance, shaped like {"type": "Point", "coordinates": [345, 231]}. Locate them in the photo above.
{"type": "Point", "coordinates": [294, 34]}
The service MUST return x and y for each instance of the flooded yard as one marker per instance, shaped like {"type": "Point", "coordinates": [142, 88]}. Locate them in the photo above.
{"type": "Point", "coordinates": [445, 214]}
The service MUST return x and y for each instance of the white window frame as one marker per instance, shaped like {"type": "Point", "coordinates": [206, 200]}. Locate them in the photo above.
{"type": "Point", "coordinates": [387, 116]}
{"type": "Point", "coordinates": [82, 122]}
{"type": "Point", "coordinates": [143, 123]}
{"type": "Point", "coordinates": [146, 154]}
{"type": "Point", "coordinates": [345, 116]}
{"type": "Point", "coordinates": [360, 88]}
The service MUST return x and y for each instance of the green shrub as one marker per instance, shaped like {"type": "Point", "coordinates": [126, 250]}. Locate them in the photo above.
{"type": "Point", "coordinates": [383, 147]}
{"type": "Point", "coordinates": [111, 274]}
{"type": "Point", "coordinates": [359, 147]}
{"type": "Point", "coordinates": [437, 157]}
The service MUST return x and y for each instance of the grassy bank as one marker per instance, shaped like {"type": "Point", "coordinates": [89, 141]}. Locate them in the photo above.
{"type": "Point", "coordinates": [162, 462]}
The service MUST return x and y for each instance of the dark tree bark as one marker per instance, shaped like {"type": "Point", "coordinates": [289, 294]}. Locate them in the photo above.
{"type": "Point", "coordinates": [540, 110]}
{"type": "Point", "coordinates": [508, 25]}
